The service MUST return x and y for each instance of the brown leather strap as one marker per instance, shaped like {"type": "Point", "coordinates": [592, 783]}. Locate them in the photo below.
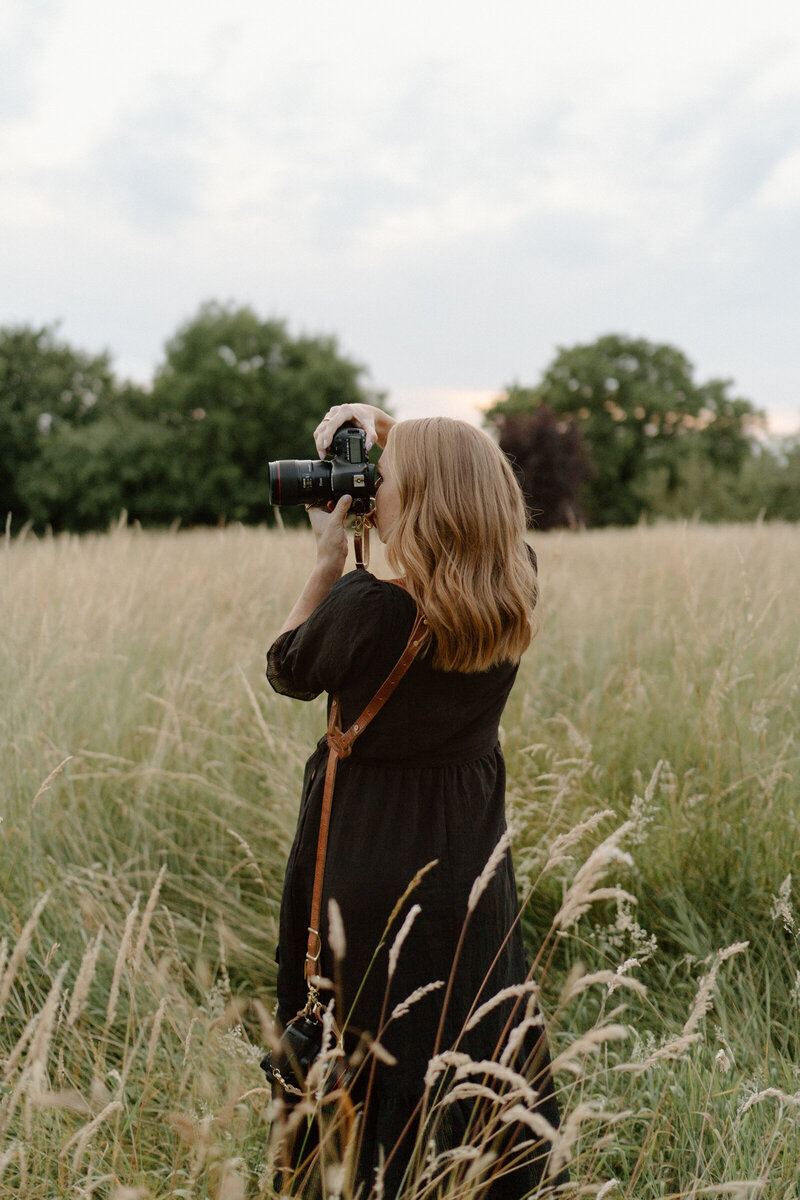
{"type": "Point", "coordinates": [340, 744]}
{"type": "Point", "coordinates": [363, 524]}
{"type": "Point", "coordinates": [361, 546]}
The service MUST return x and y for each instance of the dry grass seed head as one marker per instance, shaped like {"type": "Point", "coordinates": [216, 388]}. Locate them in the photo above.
{"type": "Point", "coordinates": [489, 871]}
{"type": "Point", "coordinates": [122, 955]}
{"type": "Point", "coordinates": [402, 934]}
{"type": "Point", "coordinates": [402, 1008]}
{"type": "Point", "coordinates": [336, 938]}
{"type": "Point", "coordinates": [83, 980]}
{"type": "Point", "coordinates": [558, 855]}
{"type": "Point", "coordinates": [584, 890]}
{"type": "Point", "coordinates": [517, 1036]}
{"type": "Point", "coordinates": [20, 950]}
{"type": "Point", "coordinates": [441, 1062]}
{"type": "Point", "coordinates": [507, 993]}
{"type": "Point", "coordinates": [587, 1043]}
{"type": "Point", "coordinates": [155, 1033]}
{"type": "Point", "coordinates": [689, 1035]}
{"type": "Point", "coordinates": [81, 1139]}
{"type": "Point", "coordinates": [147, 917]}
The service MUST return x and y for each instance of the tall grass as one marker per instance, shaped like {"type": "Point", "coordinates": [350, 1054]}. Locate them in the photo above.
{"type": "Point", "coordinates": [150, 781]}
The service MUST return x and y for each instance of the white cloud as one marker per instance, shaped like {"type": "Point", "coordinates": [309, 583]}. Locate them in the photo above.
{"type": "Point", "coordinates": [782, 189]}
{"type": "Point", "coordinates": [453, 192]}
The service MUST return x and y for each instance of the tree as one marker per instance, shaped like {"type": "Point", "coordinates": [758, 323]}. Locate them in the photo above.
{"type": "Point", "coordinates": [236, 391]}
{"type": "Point", "coordinates": [86, 475]}
{"type": "Point", "coordinates": [551, 461]}
{"type": "Point", "coordinates": [638, 410]}
{"type": "Point", "coordinates": [45, 385]}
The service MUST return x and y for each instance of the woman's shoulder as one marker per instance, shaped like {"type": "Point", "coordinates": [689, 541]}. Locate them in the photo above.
{"type": "Point", "coordinates": [362, 586]}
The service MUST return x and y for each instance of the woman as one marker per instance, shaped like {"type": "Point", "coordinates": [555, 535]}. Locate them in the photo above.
{"type": "Point", "coordinates": [425, 783]}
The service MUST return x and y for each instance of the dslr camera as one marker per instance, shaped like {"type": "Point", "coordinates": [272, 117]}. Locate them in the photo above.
{"type": "Point", "coordinates": [344, 471]}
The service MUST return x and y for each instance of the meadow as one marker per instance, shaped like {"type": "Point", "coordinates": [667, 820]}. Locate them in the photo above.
{"type": "Point", "coordinates": [149, 782]}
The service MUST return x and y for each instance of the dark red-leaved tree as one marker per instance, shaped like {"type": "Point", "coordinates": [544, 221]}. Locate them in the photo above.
{"type": "Point", "coordinates": [551, 462]}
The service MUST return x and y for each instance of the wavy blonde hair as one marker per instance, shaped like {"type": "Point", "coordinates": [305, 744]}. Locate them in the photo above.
{"type": "Point", "coordinates": [459, 542]}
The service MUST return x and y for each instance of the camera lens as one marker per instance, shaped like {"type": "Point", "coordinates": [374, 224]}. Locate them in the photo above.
{"type": "Point", "coordinates": [299, 481]}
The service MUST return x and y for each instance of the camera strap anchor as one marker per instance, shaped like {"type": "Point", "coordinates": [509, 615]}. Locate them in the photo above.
{"type": "Point", "coordinates": [361, 527]}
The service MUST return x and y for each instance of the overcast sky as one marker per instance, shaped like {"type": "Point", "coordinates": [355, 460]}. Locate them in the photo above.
{"type": "Point", "coordinates": [453, 189]}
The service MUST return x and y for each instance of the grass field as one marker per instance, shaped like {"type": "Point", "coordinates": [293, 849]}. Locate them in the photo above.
{"type": "Point", "coordinates": [150, 781]}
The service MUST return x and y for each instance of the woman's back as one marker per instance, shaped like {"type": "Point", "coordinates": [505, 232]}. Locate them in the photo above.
{"type": "Point", "coordinates": [349, 646]}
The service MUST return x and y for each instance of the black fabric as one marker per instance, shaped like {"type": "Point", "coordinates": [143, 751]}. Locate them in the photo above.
{"type": "Point", "coordinates": [426, 781]}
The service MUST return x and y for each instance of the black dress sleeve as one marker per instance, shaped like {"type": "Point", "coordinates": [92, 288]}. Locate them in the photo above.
{"type": "Point", "coordinates": [359, 615]}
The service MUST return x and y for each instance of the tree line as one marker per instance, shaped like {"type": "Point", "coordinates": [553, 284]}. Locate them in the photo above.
{"type": "Point", "coordinates": [613, 430]}
{"type": "Point", "coordinates": [619, 429]}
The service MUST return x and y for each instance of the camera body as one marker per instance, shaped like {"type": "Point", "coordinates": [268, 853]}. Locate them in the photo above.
{"type": "Point", "coordinates": [344, 471]}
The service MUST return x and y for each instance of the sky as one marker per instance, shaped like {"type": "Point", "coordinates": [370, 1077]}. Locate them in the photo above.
{"type": "Point", "coordinates": [452, 190]}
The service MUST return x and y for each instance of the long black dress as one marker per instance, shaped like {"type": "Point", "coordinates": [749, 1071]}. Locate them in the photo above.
{"type": "Point", "coordinates": [425, 781]}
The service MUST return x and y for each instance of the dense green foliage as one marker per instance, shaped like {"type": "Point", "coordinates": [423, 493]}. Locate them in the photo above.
{"type": "Point", "coordinates": [613, 431]}
{"type": "Point", "coordinates": [659, 443]}
{"type": "Point", "coordinates": [47, 389]}
{"type": "Point", "coordinates": [233, 392]}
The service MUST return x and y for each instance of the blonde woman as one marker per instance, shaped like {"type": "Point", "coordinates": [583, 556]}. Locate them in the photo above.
{"type": "Point", "coordinates": [425, 782]}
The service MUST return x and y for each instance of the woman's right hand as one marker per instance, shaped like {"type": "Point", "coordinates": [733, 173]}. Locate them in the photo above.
{"type": "Point", "coordinates": [374, 421]}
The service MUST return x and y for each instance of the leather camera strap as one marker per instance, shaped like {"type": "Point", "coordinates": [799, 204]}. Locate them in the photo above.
{"type": "Point", "coordinates": [339, 746]}
{"type": "Point", "coordinates": [361, 528]}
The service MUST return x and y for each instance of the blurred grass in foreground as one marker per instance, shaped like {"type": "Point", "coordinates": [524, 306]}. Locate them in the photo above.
{"type": "Point", "coordinates": [150, 781]}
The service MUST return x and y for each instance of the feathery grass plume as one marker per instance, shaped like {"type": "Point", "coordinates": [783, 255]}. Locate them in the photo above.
{"type": "Point", "coordinates": [704, 996]}
{"type": "Point", "coordinates": [83, 980]}
{"type": "Point", "coordinates": [334, 1175]}
{"type": "Point", "coordinates": [81, 1139]}
{"type": "Point", "coordinates": [412, 887]}
{"type": "Point", "coordinates": [155, 1033]}
{"type": "Point", "coordinates": [579, 982]}
{"type": "Point", "coordinates": [771, 1093]}
{"type": "Point", "coordinates": [517, 1036]}
{"type": "Point", "coordinates": [251, 858]}
{"type": "Point", "coordinates": [497, 1071]}
{"type": "Point", "coordinates": [122, 955]}
{"type": "Point", "coordinates": [380, 1171]}
{"type": "Point", "coordinates": [402, 1008]}
{"type": "Point", "coordinates": [476, 1091]}
{"type": "Point", "coordinates": [20, 950]}
{"type": "Point", "coordinates": [740, 1189]}
{"type": "Point", "coordinates": [584, 890]}
{"type": "Point", "coordinates": [402, 934]}
{"type": "Point", "coordinates": [336, 937]}
{"type": "Point", "coordinates": [440, 1062]}
{"type": "Point", "coordinates": [380, 1052]}
{"type": "Point", "coordinates": [489, 871]}
{"type": "Point", "coordinates": [232, 1185]}
{"type": "Point", "coordinates": [781, 909]}
{"type": "Point", "coordinates": [571, 1128]}
{"type": "Point", "coordinates": [46, 785]}
{"type": "Point", "coordinates": [557, 855]}
{"type": "Point", "coordinates": [479, 1166]}
{"type": "Point", "coordinates": [675, 1047]}
{"type": "Point", "coordinates": [147, 917]}
{"type": "Point", "coordinates": [511, 992]}
{"type": "Point", "coordinates": [534, 1121]}
{"type": "Point", "coordinates": [606, 1188]}
{"type": "Point", "coordinates": [14, 1057]}
{"type": "Point", "coordinates": [65, 1100]}
{"type": "Point", "coordinates": [7, 1156]}
{"type": "Point", "coordinates": [588, 1043]}
{"type": "Point", "coordinates": [40, 1044]}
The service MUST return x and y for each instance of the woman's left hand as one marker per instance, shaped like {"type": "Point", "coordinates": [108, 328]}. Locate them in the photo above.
{"type": "Point", "coordinates": [328, 526]}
